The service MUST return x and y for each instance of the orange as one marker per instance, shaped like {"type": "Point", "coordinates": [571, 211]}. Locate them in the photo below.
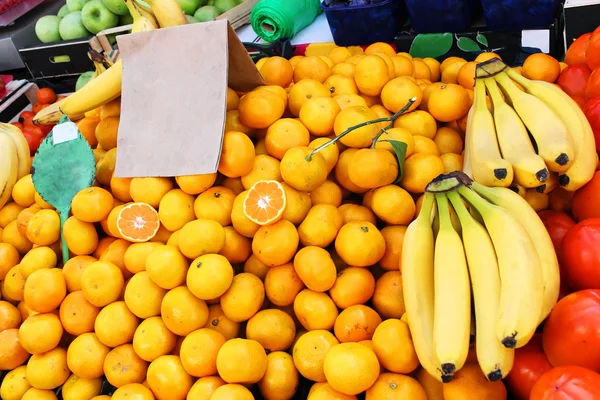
{"type": "Point", "coordinates": [110, 109]}
{"type": "Point", "coordinates": [381, 112]}
{"type": "Point", "coordinates": [176, 209]}
{"type": "Point", "coordinates": [380, 47]}
{"type": "Point", "coordinates": [419, 170]}
{"type": "Point", "coordinates": [393, 205]}
{"type": "Point", "coordinates": [23, 192]}
{"type": "Point", "coordinates": [150, 190]}
{"type": "Point", "coordinates": [452, 162]}
{"type": "Point", "coordinates": [138, 222]}
{"type": "Point", "coordinates": [43, 228]}
{"type": "Point", "coordinates": [302, 169]}
{"type": "Point", "coordinates": [232, 391]}
{"type": "Point", "coordinates": [115, 324]}
{"type": "Point", "coordinates": [273, 329]}
{"type": "Point", "coordinates": [298, 204]}
{"type": "Point", "coordinates": [487, 55]}
{"type": "Point", "coordinates": [77, 315]}
{"type": "Point", "coordinates": [265, 168]}
{"type": "Point", "coordinates": [233, 100]}
{"type": "Point", "coordinates": [142, 296]}
{"type": "Point", "coordinates": [318, 115]}
{"type": "Point", "coordinates": [44, 290]}
{"type": "Point", "coordinates": [14, 385]}
{"type": "Point", "coordinates": [448, 140]}
{"type": "Point", "coordinates": [209, 276]}
{"type": "Point", "coordinates": [371, 74]}
{"type": "Point", "coordinates": [345, 68]}
{"type": "Point", "coordinates": [371, 168]}
{"type": "Point", "coordinates": [328, 193]}
{"type": "Point", "coordinates": [310, 351]}
{"type": "Point", "coordinates": [450, 71]}
{"type": "Point", "coordinates": [153, 339]}
{"type": "Point", "coordinates": [326, 392]}
{"type": "Point", "coordinates": [397, 134]}
{"type": "Point", "coordinates": [449, 102]}
{"type": "Point", "coordinates": [122, 366]}
{"type": "Point", "coordinates": [394, 347]}
{"type": "Point", "coordinates": [260, 109]}
{"type": "Point", "coordinates": [13, 285]}
{"type": "Point", "coordinates": [167, 267]}
{"type": "Point", "coordinates": [275, 244]}
{"type": "Point", "coordinates": [76, 388]}
{"type": "Point", "coordinates": [238, 248]}
{"type": "Point", "coordinates": [9, 213]}
{"type": "Point", "coordinates": [102, 283]}
{"type": "Point", "coordinates": [390, 386]}
{"type": "Point", "coordinates": [303, 91]}
{"type": "Point", "coordinates": [311, 67]}
{"type": "Point", "coordinates": [356, 323]}
{"type": "Point", "coordinates": [419, 123]}
{"type": "Point", "coordinates": [107, 132]}
{"type": "Point", "coordinates": [244, 297]}
{"type": "Point", "coordinates": [432, 386]}
{"type": "Point", "coordinates": [132, 391]}
{"type": "Point", "coordinates": [425, 145]}
{"type": "Point", "coordinates": [422, 70]}
{"type": "Point", "coordinates": [255, 267]}
{"type": "Point", "coordinates": [341, 171]}
{"type": "Point", "coordinates": [321, 225]}
{"type": "Point", "coordinates": [541, 67]}
{"type": "Point", "coordinates": [239, 220]}
{"type": "Point", "coordinates": [10, 317]}
{"type": "Point", "coordinates": [471, 382]}
{"type": "Point", "coordinates": [109, 225]}
{"type": "Point", "coordinates": [40, 333]}
{"type": "Point", "coordinates": [233, 123]}
{"type": "Point", "coordinates": [168, 379]}
{"type": "Point", "coordinates": [315, 310]}
{"type": "Point", "coordinates": [241, 361]}
{"type": "Point", "coordinates": [39, 394]}
{"type": "Point", "coordinates": [435, 68]}
{"type": "Point", "coordinates": [277, 71]}
{"type": "Point", "coordinates": [466, 75]}
{"type": "Point", "coordinates": [203, 388]}
{"type": "Point", "coordinates": [394, 237]}
{"type": "Point", "coordinates": [195, 184]}
{"type": "Point", "coordinates": [9, 257]}
{"type": "Point", "coordinates": [282, 284]}
{"type": "Point", "coordinates": [215, 204]}
{"type": "Point", "coordinates": [85, 356]}
{"type": "Point", "coordinates": [353, 286]}
{"type": "Point", "coordinates": [81, 237]}
{"type": "Point", "coordinates": [354, 237]}
{"type": "Point", "coordinates": [115, 253]}
{"type": "Point", "coordinates": [200, 237]}
{"type": "Point", "coordinates": [182, 312]}
{"type": "Point", "coordinates": [265, 202]}
{"type": "Point", "coordinates": [237, 154]}
{"type": "Point", "coordinates": [351, 368]}
{"type": "Point", "coordinates": [340, 84]}
{"type": "Point", "coordinates": [349, 100]}
{"type": "Point", "coordinates": [353, 212]}
{"type": "Point", "coordinates": [24, 216]}
{"type": "Point", "coordinates": [285, 134]}
{"type": "Point", "coordinates": [315, 267]}
{"type": "Point", "coordinates": [37, 258]}
{"type": "Point", "coordinates": [281, 377]}
{"type": "Point", "coordinates": [48, 370]}
{"type": "Point", "coordinates": [219, 322]}
{"type": "Point", "coordinates": [12, 353]}
{"type": "Point", "coordinates": [92, 204]}
{"type": "Point", "coordinates": [403, 66]}
{"type": "Point", "coordinates": [349, 117]}
{"type": "Point", "coordinates": [199, 351]}
{"type": "Point", "coordinates": [339, 54]}
{"type": "Point", "coordinates": [235, 184]}
{"type": "Point", "coordinates": [12, 236]}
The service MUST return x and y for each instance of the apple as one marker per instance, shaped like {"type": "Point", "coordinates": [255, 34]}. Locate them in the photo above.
{"type": "Point", "coordinates": [116, 6]}
{"type": "Point", "coordinates": [189, 7]}
{"type": "Point", "coordinates": [225, 5]}
{"type": "Point", "coordinates": [64, 10]}
{"type": "Point", "coordinates": [71, 27]}
{"type": "Point", "coordinates": [84, 79]}
{"type": "Point", "coordinates": [190, 19]}
{"type": "Point", "coordinates": [206, 13]}
{"type": "Point", "coordinates": [76, 5]}
{"type": "Point", "coordinates": [210, 3]}
{"type": "Point", "coordinates": [46, 28]}
{"type": "Point", "coordinates": [97, 17]}
{"type": "Point", "coordinates": [125, 19]}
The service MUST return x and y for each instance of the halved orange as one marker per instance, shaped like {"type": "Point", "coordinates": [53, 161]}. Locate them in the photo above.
{"type": "Point", "coordinates": [265, 202]}
{"type": "Point", "coordinates": [138, 222]}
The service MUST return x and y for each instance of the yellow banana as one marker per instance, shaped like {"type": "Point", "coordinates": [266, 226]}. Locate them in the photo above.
{"type": "Point", "coordinates": [21, 146]}
{"type": "Point", "coordinates": [549, 185]}
{"type": "Point", "coordinates": [488, 166]}
{"type": "Point", "coordinates": [466, 168]}
{"type": "Point", "coordinates": [521, 294]}
{"type": "Point", "coordinates": [417, 282]}
{"type": "Point", "coordinates": [520, 210]}
{"type": "Point", "coordinates": [554, 143]}
{"type": "Point", "coordinates": [515, 145]}
{"type": "Point", "coordinates": [583, 167]}
{"type": "Point", "coordinates": [452, 298]}
{"type": "Point", "coordinates": [142, 20]}
{"type": "Point", "coordinates": [49, 115]}
{"type": "Point", "coordinates": [167, 12]}
{"type": "Point", "coordinates": [494, 359]}
{"type": "Point", "coordinates": [518, 189]}
{"type": "Point", "coordinates": [9, 166]}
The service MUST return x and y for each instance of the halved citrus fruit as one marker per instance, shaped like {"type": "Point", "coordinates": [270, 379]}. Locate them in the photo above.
{"type": "Point", "coordinates": [138, 222]}
{"type": "Point", "coordinates": [265, 202]}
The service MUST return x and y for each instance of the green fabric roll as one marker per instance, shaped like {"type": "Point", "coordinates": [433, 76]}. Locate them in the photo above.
{"type": "Point", "coordinates": [276, 19]}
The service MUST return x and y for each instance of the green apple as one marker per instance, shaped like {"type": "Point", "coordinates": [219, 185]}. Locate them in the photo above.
{"type": "Point", "coordinates": [210, 3]}
{"type": "Point", "coordinates": [97, 17]}
{"type": "Point", "coordinates": [64, 10]}
{"type": "Point", "coordinates": [46, 29]}
{"type": "Point", "coordinates": [125, 19]}
{"type": "Point", "coordinates": [189, 7]}
{"type": "Point", "coordinates": [76, 5]}
{"type": "Point", "coordinates": [191, 19]}
{"type": "Point", "coordinates": [116, 6]}
{"type": "Point", "coordinates": [71, 27]}
{"type": "Point", "coordinates": [225, 5]}
{"type": "Point", "coordinates": [84, 79]}
{"type": "Point", "coordinates": [206, 13]}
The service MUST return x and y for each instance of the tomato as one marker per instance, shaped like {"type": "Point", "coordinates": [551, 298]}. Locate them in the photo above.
{"type": "Point", "coordinates": [18, 125]}
{"type": "Point", "coordinates": [557, 223]}
{"type": "Point", "coordinates": [579, 255]}
{"type": "Point", "coordinates": [573, 79]}
{"type": "Point", "coordinates": [592, 112]}
{"type": "Point", "coordinates": [34, 136]}
{"type": "Point", "coordinates": [576, 52]}
{"type": "Point", "coordinates": [592, 88]}
{"type": "Point", "coordinates": [592, 52]}
{"type": "Point", "coordinates": [567, 383]}
{"type": "Point", "coordinates": [530, 363]}
{"type": "Point", "coordinates": [572, 331]}
{"type": "Point", "coordinates": [585, 200]}
{"type": "Point", "coordinates": [46, 96]}
{"type": "Point", "coordinates": [46, 129]}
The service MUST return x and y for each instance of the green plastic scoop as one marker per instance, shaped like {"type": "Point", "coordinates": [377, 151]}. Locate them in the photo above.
{"type": "Point", "coordinates": [63, 165]}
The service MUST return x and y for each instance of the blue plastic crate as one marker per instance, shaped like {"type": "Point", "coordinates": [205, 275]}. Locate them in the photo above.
{"type": "Point", "coordinates": [437, 16]}
{"type": "Point", "coordinates": [363, 25]}
{"type": "Point", "coordinates": [508, 15]}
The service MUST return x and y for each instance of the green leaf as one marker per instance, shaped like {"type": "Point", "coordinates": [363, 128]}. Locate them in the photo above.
{"type": "Point", "coordinates": [431, 44]}
{"type": "Point", "coordinates": [482, 39]}
{"type": "Point", "coordinates": [466, 44]}
{"type": "Point", "coordinates": [400, 151]}
{"type": "Point", "coordinates": [61, 170]}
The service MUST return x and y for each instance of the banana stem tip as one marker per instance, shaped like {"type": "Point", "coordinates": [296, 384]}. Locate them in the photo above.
{"type": "Point", "coordinates": [489, 68]}
{"type": "Point", "coordinates": [448, 182]}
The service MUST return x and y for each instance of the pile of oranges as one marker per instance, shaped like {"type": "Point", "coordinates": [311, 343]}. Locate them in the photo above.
{"type": "Point", "coordinates": [280, 269]}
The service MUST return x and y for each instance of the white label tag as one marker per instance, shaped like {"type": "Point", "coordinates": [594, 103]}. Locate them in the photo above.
{"type": "Point", "coordinates": [64, 132]}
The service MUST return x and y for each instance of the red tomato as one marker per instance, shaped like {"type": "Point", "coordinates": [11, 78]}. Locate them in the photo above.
{"type": "Point", "coordinates": [592, 88]}
{"type": "Point", "coordinates": [45, 129]}
{"type": "Point", "coordinates": [585, 200]}
{"type": "Point", "coordinates": [557, 223]}
{"type": "Point", "coordinates": [573, 79]}
{"type": "Point", "coordinates": [592, 112]}
{"type": "Point", "coordinates": [567, 383]}
{"type": "Point", "coordinates": [530, 363]}
{"type": "Point", "coordinates": [576, 52]}
{"type": "Point", "coordinates": [592, 52]}
{"type": "Point", "coordinates": [34, 136]}
{"type": "Point", "coordinates": [579, 255]}
{"type": "Point", "coordinates": [18, 125]}
{"type": "Point", "coordinates": [572, 331]}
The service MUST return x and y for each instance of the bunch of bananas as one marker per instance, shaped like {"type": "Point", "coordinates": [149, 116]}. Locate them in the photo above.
{"type": "Point", "coordinates": [15, 161]}
{"type": "Point", "coordinates": [531, 135]}
{"type": "Point", "coordinates": [489, 248]}
{"type": "Point", "coordinates": [147, 15]}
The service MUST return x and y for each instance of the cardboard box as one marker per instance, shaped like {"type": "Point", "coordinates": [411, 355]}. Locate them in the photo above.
{"type": "Point", "coordinates": [580, 16]}
{"type": "Point", "coordinates": [239, 15]}
{"type": "Point", "coordinates": [174, 96]}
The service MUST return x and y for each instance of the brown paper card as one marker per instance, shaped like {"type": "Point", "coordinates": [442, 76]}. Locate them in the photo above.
{"type": "Point", "coordinates": [174, 95]}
